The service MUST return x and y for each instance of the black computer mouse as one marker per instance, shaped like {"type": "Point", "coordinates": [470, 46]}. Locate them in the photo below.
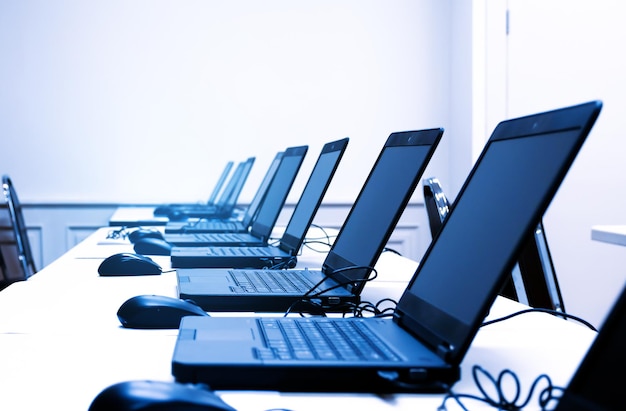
{"type": "Point", "coordinates": [174, 215]}
{"type": "Point", "coordinates": [127, 264]}
{"type": "Point", "coordinates": [152, 246]}
{"type": "Point", "coordinates": [162, 210]}
{"type": "Point", "coordinates": [140, 233]}
{"type": "Point", "coordinates": [157, 395]}
{"type": "Point", "coordinates": [156, 312]}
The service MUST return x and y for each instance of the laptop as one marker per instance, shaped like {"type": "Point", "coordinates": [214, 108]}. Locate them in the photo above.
{"type": "Point", "coordinates": [227, 201]}
{"type": "Point", "coordinates": [263, 222]}
{"type": "Point", "coordinates": [356, 249]}
{"type": "Point", "coordinates": [595, 386]}
{"type": "Point", "coordinates": [443, 306]}
{"type": "Point", "coordinates": [266, 255]}
{"type": "Point", "coordinates": [230, 224]}
{"type": "Point", "coordinates": [165, 209]}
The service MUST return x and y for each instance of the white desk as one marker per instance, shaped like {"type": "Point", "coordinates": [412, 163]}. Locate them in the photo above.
{"type": "Point", "coordinates": [133, 216]}
{"type": "Point", "coordinates": [614, 234]}
{"type": "Point", "coordinates": [62, 343]}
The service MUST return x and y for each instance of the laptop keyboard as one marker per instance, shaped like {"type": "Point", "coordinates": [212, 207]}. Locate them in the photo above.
{"type": "Point", "coordinates": [266, 281]}
{"type": "Point", "coordinates": [240, 251]}
{"type": "Point", "coordinates": [219, 237]}
{"type": "Point", "coordinates": [212, 225]}
{"type": "Point", "coordinates": [321, 339]}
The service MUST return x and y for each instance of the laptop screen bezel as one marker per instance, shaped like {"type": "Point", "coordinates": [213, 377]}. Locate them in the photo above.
{"type": "Point", "coordinates": [263, 229]}
{"type": "Point", "coordinates": [337, 266]}
{"type": "Point", "coordinates": [291, 241]}
{"type": "Point", "coordinates": [429, 323]}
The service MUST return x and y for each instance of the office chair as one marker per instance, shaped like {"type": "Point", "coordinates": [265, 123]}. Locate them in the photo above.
{"type": "Point", "coordinates": [4, 280]}
{"type": "Point", "coordinates": [533, 280]}
{"type": "Point", "coordinates": [437, 204]}
{"type": "Point", "coordinates": [24, 253]}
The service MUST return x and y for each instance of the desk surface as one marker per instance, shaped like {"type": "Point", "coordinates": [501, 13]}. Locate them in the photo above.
{"type": "Point", "coordinates": [63, 343]}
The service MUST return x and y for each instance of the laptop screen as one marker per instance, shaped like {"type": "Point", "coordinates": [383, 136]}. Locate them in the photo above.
{"type": "Point", "coordinates": [380, 203]}
{"type": "Point", "coordinates": [231, 201]}
{"type": "Point", "coordinates": [220, 183]}
{"type": "Point", "coordinates": [278, 191]}
{"type": "Point", "coordinates": [312, 195]}
{"type": "Point", "coordinates": [595, 385]}
{"type": "Point", "coordinates": [507, 192]}
{"type": "Point", "coordinates": [259, 196]}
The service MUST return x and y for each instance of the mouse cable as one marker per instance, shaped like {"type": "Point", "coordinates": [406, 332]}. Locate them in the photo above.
{"type": "Point", "coordinates": [325, 239]}
{"type": "Point", "coordinates": [541, 310]}
{"type": "Point", "coordinates": [118, 233]}
{"type": "Point", "coordinates": [192, 224]}
{"type": "Point", "coordinates": [171, 270]}
{"type": "Point", "coordinates": [548, 395]}
{"type": "Point", "coordinates": [311, 295]}
{"type": "Point", "coordinates": [308, 244]}
{"type": "Point", "coordinates": [359, 310]}
{"type": "Point", "coordinates": [392, 251]}
{"type": "Point", "coordinates": [324, 233]}
{"type": "Point", "coordinates": [283, 265]}
{"type": "Point", "coordinates": [371, 276]}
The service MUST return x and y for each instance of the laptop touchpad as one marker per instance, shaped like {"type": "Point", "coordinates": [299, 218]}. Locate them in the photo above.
{"type": "Point", "coordinates": [243, 333]}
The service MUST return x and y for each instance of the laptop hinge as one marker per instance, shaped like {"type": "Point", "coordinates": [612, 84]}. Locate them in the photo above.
{"type": "Point", "coordinates": [443, 350]}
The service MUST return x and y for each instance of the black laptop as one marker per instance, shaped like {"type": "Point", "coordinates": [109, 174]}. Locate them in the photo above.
{"type": "Point", "coordinates": [596, 384]}
{"type": "Point", "coordinates": [364, 234]}
{"type": "Point", "coordinates": [269, 255]}
{"type": "Point", "coordinates": [227, 201]}
{"type": "Point", "coordinates": [165, 209]}
{"type": "Point", "coordinates": [304, 212]}
{"type": "Point", "coordinates": [233, 224]}
{"type": "Point", "coordinates": [444, 304]}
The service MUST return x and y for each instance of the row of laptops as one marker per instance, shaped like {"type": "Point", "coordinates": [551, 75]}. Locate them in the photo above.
{"type": "Point", "coordinates": [261, 216]}
{"type": "Point", "coordinates": [442, 307]}
{"type": "Point", "coordinates": [258, 223]}
{"type": "Point", "coordinates": [386, 210]}
{"type": "Point", "coordinates": [221, 202]}
{"type": "Point", "coordinates": [242, 286]}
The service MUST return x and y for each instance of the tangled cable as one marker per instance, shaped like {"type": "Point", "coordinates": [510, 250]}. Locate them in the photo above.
{"type": "Point", "coordinates": [311, 303]}
{"type": "Point", "coordinates": [504, 402]}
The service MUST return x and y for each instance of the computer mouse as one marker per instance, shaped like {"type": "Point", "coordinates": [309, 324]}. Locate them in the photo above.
{"type": "Point", "coordinates": [177, 216]}
{"type": "Point", "coordinates": [157, 395]}
{"type": "Point", "coordinates": [127, 264]}
{"type": "Point", "coordinates": [140, 233]}
{"type": "Point", "coordinates": [156, 312]}
{"type": "Point", "coordinates": [152, 246]}
{"type": "Point", "coordinates": [162, 210]}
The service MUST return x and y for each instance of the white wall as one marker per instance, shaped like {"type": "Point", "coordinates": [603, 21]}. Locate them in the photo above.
{"type": "Point", "coordinates": [114, 101]}
{"type": "Point", "coordinates": [107, 102]}
{"type": "Point", "coordinates": [561, 53]}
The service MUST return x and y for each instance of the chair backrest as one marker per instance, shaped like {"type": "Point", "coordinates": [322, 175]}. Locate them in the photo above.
{"type": "Point", "coordinates": [24, 253]}
{"type": "Point", "coordinates": [533, 280]}
{"type": "Point", "coordinates": [4, 281]}
{"type": "Point", "coordinates": [437, 205]}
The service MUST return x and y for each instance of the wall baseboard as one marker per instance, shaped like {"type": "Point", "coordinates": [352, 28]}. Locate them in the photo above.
{"type": "Point", "coordinates": [53, 229]}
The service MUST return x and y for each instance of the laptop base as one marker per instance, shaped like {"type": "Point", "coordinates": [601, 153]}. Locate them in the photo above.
{"type": "Point", "coordinates": [321, 379]}
{"type": "Point", "coordinates": [190, 257]}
